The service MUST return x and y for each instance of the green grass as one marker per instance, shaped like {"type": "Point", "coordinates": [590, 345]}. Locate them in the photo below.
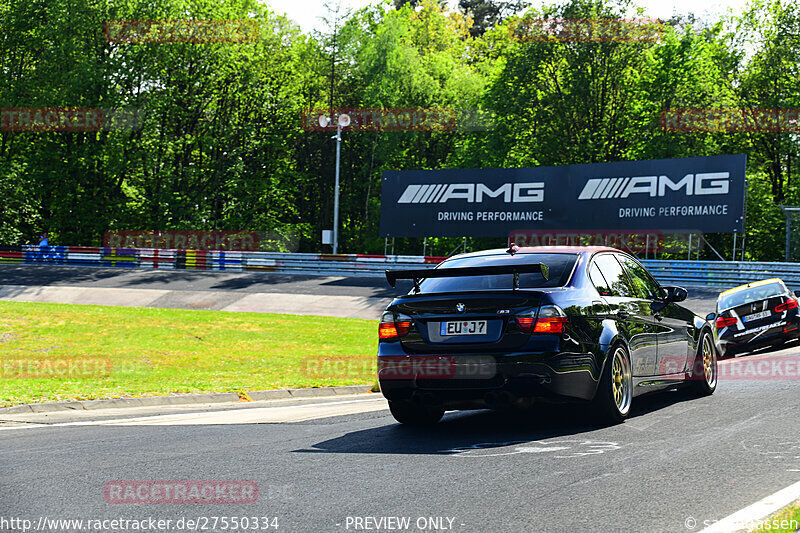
{"type": "Point", "coordinates": [784, 517]}
{"type": "Point", "coordinates": [152, 351]}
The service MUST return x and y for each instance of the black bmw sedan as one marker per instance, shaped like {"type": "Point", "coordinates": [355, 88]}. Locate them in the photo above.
{"type": "Point", "coordinates": [512, 327]}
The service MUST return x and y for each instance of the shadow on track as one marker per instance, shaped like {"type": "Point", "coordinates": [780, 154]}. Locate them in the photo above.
{"type": "Point", "coordinates": [487, 429]}
{"type": "Point", "coordinates": [205, 280]}
{"type": "Point", "coordinates": [53, 274]}
{"type": "Point", "coordinates": [306, 284]}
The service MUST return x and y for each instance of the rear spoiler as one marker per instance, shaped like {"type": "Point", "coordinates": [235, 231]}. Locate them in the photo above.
{"type": "Point", "coordinates": [393, 275]}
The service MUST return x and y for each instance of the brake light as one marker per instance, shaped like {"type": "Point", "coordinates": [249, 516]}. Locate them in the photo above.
{"type": "Point", "coordinates": [526, 323]}
{"type": "Point", "coordinates": [553, 324]}
{"type": "Point", "coordinates": [392, 327]}
{"type": "Point", "coordinates": [546, 319]}
{"type": "Point", "coordinates": [791, 303]}
{"type": "Point", "coordinates": [387, 330]}
{"type": "Point", "coordinates": [723, 322]}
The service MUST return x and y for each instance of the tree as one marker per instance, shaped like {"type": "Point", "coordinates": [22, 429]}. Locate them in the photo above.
{"type": "Point", "coordinates": [488, 13]}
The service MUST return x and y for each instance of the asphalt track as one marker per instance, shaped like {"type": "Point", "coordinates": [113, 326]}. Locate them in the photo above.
{"type": "Point", "coordinates": [355, 297]}
{"type": "Point", "coordinates": [261, 292]}
{"type": "Point", "coordinates": [678, 464]}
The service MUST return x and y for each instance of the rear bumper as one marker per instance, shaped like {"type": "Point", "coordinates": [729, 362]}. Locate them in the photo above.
{"type": "Point", "coordinates": [481, 380]}
{"type": "Point", "coordinates": [731, 345]}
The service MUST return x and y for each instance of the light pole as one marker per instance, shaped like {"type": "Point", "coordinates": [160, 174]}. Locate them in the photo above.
{"type": "Point", "coordinates": [788, 211]}
{"type": "Point", "coordinates": [342, 122]}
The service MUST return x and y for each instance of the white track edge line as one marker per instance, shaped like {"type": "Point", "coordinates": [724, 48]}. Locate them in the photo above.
{"type": "Point", "coordinates": [173, 415]}
{"type": "Point", "coordinates": [752, 514]}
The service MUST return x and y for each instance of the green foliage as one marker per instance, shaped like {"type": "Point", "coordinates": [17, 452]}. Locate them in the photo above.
{"type": "Point", "coordinates": [765, 222]}
{"type": "Point", "coordinates": [222, 146]}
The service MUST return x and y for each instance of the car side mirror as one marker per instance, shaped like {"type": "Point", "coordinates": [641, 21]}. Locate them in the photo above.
{"type": "Point", "coordinates": [675, 294]}
{"type": "Point", "coordinates": [711, 316]}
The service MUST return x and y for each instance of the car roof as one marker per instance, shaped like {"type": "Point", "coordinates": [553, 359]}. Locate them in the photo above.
{"type": "Point", "coordinates": [541, 250]}
{"type": "Point", "coordinates": [750, 286]}
{"type": "Point", "coordinates": [565, 249]}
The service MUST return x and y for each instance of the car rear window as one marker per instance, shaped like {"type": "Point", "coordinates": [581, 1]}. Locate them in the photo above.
{"type": "Point", "coordinates": [560, 265]}
{"type": "Point", "coordinates": [753, 294]}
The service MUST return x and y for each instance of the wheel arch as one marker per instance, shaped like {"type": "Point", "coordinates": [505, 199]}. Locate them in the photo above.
{"type": "Point", "coordinates": [610, 336]}
{"type": "Point", "coordinates": [701, 327]}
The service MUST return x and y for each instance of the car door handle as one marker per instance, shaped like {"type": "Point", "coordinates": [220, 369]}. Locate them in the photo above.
{"type": "Point", "coordinates": [658, 317]}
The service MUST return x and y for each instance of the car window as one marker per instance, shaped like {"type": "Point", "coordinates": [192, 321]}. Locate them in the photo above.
{"type": "Point", "coordinates": [560, 265]}
{"type": "Point", "coordinates": [598, 280]}
{"type": "Point", "coordinates": [643, 283]}
{"type": "Point", "coordinates": [618, 284]}
{"type": "Point", "coordinates": [753, 294]}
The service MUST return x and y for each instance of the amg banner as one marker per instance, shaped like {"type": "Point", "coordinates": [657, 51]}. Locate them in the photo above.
{"type": "Point", "coordinates": [695, 194]}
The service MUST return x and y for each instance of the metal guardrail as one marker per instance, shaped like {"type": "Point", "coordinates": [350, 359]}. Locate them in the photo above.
{"type": "Point", "coordinates": [700, 273]}
{"type": "Point", "coordinates": [236, 261]}
{"type": "Point", "coordinates": [722, 273]}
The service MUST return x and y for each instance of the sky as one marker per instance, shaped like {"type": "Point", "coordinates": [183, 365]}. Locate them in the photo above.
{"type": "Point", "coordinates": [306, 12]}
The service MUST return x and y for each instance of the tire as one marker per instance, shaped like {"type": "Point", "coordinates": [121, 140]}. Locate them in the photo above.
{"type": "Point", "coordinates": [612, 401]}
{"type": "Point", "coordinates": [703, 375]}
{"type": "Point", "coordinates": [415, 415]}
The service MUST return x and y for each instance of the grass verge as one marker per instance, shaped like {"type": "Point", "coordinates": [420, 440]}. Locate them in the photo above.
{"type": "Point", "coordinates": [784, 521]}
{"type": "Point", "coordinates": [51, 352]}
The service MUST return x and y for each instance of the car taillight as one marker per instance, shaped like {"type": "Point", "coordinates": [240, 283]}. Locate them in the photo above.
{"type": "Point", "coordinates": [526, 323]}
{"type": "Point", "coordinates": [387, 330]}
{"type": "Point", "coordinates": [393, 326]}
{"type": "Point", "coordinates": [723, 322]}
{"type": "Point", "coordinates": [555, 324]}
{"type": "Point", "coordinates": [791, 303]}
{"type": "Point", "coordinates": [547, 319]}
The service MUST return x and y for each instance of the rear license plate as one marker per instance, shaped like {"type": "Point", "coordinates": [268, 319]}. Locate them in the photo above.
{"type": "Point", "coordinates": [463, 327]}
{"type": "Point", "coordinates": [756, 316]}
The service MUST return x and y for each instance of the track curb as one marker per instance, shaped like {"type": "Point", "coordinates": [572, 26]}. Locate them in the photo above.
{"type": "Point", "coordinates": [183, 399]}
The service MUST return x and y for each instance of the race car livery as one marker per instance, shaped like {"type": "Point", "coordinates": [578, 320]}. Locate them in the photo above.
{"type": "Point", "coordinates": [755, 315]}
